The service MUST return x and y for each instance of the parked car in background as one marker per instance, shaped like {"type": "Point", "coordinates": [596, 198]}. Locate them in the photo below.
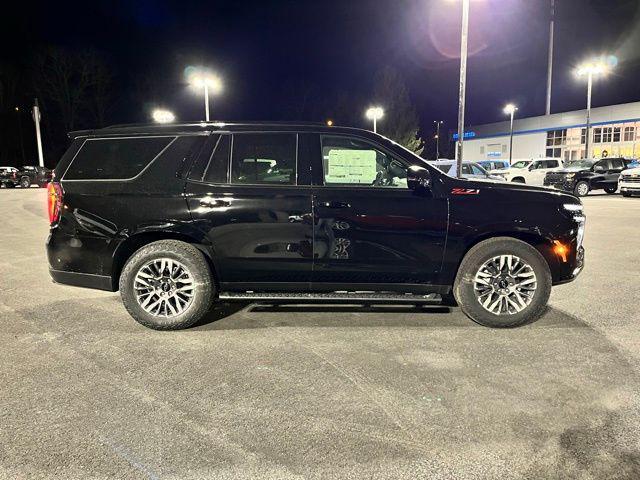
{"type": "Point", "coordinates": [629, 181]}
{"type": "Point", "coordinates": [8, 176]}
{"type": "Point", "coordinates": [531, 172]}
{"type": "Point", "coordinates": [583, 176]}
{"type": "Point", "coordinates": [34, 175]}
{"type": "Point", "coordinates": [470, 170]}
{"type": "Point", "coordinates": [490, 165]}
{"type": "Point", "coordinates": [180, 216]}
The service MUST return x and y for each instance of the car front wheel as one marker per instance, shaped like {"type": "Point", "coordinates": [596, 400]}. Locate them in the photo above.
{"type": "Point", "coordinates": [581, 189]}
{"type": "Point", "coordinates": [503, 282]}
{"type": "Point", "coordinates": [167, 285]}
{"type": "Point", "coordinates": [25, 182]}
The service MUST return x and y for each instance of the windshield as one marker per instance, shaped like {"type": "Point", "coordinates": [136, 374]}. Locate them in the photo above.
{"type": "Point", "coordinates": [521, 164]}
{"type": "Point", "coordinates": [582, 163]}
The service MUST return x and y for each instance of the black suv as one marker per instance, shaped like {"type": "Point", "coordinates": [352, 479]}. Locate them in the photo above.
{"type": "Point", "coordinates": [582, 176]}
{"type": "Point", "coordinates": [180, 216]}
{"type": "Point", "coordinates": [26, 176]}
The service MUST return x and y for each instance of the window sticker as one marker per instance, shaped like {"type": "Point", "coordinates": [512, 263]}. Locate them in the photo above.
{"type": "Point", "coordinates": [351, 166]}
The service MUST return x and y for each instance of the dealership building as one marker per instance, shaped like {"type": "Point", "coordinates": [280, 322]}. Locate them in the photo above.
{"type": "Point", "coordinates": [614, 133]}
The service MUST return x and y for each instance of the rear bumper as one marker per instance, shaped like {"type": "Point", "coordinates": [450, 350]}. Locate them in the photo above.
{"type": "Point", "coordinates": [86, 280]}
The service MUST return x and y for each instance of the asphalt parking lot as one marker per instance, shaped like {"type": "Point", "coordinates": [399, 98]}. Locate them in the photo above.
{"type": "Point", "coordinates": [319, 392]}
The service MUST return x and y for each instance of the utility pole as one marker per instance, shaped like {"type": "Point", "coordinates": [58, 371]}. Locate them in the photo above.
{"type": "Point", "coordinates": [589, 88]}
{"type": "Point", "coordinates": [550, 62]}
{"type": "Point", "coordinates": [36, 119]}
{"type": "Point", "coordinates": [464, 38]}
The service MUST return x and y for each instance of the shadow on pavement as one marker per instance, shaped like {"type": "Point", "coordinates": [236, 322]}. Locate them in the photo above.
{"type": "Point", "coordinates": [238, 316]}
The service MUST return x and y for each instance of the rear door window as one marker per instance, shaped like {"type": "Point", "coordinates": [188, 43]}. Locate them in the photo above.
{"type": "Point", "coordinates": [264, 158]}
{"type": "Point", "coordinates": [115, 158]}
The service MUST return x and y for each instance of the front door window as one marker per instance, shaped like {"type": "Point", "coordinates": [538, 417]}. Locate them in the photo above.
{"type": "Point", "coordinates": [352, 162]}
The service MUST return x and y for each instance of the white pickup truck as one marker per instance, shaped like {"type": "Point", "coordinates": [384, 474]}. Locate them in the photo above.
{"type": "Point", "coordinates": [531, 172]}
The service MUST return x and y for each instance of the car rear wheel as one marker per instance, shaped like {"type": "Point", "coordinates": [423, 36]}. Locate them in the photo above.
{"type": "Point", "coordinates": [25, 182]}
{"type": "Point", "coordinates": [503, 282]}
{"type": "Point", "coordinates": [611, 190]}
{"type": "Point", "coordinates": [581, 189]}
{"type": "Point", "coordinates": [518, 180]}
{"type": "Point", "coordinates": [167, 285]}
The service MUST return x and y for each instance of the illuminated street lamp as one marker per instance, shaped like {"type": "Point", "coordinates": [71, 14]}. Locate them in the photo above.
{"type": "Point", "coordinates": [330, 123]}
{"type": "Point", "coordinates": [202, 79]}
{"type": "Point", "coordinates": [510, 109]}
{"type": "Point", "coordinates": [589, 69]}
{"type": "Point", "coordinates": [162, 116]}
{"type": "Point", "coordinates": [375, 114]}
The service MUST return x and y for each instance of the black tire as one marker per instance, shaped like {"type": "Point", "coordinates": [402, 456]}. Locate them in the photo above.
{"type": "Point", "coordinates": [518, 180]}
{"type": "Point", "coordinates": [581, 189]}
{"type": "Point", "coordinates": [611, 190]}
{"type": "Point", "coordinates": [474, 259]}
{"type": "Point", "coordinates": [196, 264]}
{"type": "Point", "coordinates": [25, 182]}
{"type": "Point", "coordinates": [626, 194]}
{"type": "Point", "coordinates": [10, 185]}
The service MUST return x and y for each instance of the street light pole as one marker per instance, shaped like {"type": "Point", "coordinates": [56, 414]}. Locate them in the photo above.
{"type": "Point", "coordinates": [510, 110]}
{"type": "Point", "coordinates": [206, 101]}
{"type": "Point", "coordinates": [589, 69]}
{"type": "Point", "coordinates": [374, 114]}
{"type": "Point", "coordinates": [438, 123]}
{"type": "Point", "coordinates": [36, 119]}
{"type": "Point", "coordinates": [588, 135]}
{"type": "Point", "coordinates": [463, 83]}
{"type": "Point", "coordinates": [550, 58]}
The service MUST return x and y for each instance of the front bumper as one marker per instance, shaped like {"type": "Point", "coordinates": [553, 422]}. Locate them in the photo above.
{"type": "Point", "coordinates": [632, 188]}
{"type": "Point", "coordinates": [560, 184]}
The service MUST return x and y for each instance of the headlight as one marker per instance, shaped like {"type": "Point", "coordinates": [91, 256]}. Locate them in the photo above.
{"type": "Point", "coordinates": [572, 207]}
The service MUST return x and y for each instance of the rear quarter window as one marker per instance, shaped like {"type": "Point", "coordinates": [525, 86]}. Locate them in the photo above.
{"type": "Point", "coordinates": [115, 158]}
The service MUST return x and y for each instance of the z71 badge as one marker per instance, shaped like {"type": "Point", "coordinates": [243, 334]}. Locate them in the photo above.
{"type": "Point", "coordinates": [465, 191]}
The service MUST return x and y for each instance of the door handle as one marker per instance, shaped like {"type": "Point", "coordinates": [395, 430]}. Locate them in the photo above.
{"type": "Point", "coordinates": [336, 205]}
{"type": "Point", "coordinates": [209, 202]}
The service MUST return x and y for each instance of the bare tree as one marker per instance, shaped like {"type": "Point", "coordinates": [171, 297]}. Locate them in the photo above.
{"type": "Point", "coordinates": [73, 86]}
{"type": "Point", "coordinates": [401, 122]}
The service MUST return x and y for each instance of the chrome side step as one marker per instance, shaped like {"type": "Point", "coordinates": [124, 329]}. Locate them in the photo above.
{"type": "Point", "coordinates": [333, 297]}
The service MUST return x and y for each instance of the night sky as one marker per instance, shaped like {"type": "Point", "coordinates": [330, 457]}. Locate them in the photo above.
{"type": "Point", "coordinates": [269, 51]}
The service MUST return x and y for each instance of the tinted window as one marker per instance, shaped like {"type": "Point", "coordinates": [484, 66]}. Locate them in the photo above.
{"type": "Point", "coordinates": [115, 158]}
{"type": "Point", "coordinates": [602, 165]}
{"type": "Point", "coordinates": [617, 163]}
{"type": "Point", "coordinates": [218, 165]}
{"type": "Point", "coordinates": [200, 164]}
{"type": "Point", "coordinates": [350, 161]}
{"type": "Point", "coordinates": [264, 158]}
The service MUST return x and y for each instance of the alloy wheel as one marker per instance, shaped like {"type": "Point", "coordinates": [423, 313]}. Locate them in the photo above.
{"type": "Point", "coordinates": [583, 189]}
{"type": "Point", "coordinates": [164, 287]}
{"type": "Point", "coordinates": [505, 285]}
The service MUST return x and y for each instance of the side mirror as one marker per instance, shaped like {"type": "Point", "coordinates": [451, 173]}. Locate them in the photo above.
{"type": "Point", "coordinates": [418, 178]}
{"type": "Point", "coordinates": [531, 167]}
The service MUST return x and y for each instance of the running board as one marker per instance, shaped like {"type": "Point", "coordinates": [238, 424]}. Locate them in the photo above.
{"type": "Point", "coordinates": [333, 297]}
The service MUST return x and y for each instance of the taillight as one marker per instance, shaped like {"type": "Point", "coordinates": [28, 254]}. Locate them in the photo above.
{"type": "Point", "coordinates": [54, 196]}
